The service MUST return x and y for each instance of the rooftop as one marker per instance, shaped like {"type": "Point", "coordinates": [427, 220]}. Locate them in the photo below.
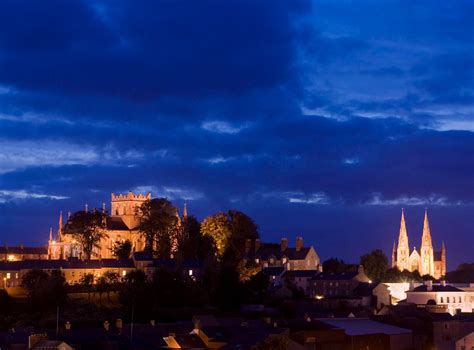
{"type": "Point", "coordinates": [364, 326]}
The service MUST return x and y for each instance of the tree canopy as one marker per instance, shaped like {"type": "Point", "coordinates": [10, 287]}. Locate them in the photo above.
{"type": "Point", "coordinates": [375, 264]}
{"type": "Point", "coordinates": [122, 250]}
{"type": "Point", "coordinates": [158, 225]}
{"type": "Point", "coordinates": [229, 229]}
{"type": "Point", "coordinates": [87, 227]}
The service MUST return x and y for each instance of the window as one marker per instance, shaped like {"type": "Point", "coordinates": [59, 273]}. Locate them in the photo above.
{"type": "Point", "coordinates": [8, 275]}
{"type": "Point", "coordinates": [190, 272]}
{"type": "Point", "coordinates": [124, 273]}
{"type": "Point", "coordinates": [442, 301]}
{"type": "Point", "coordinates": [16, 275]}
{"type": "Point", "coordinates": [447, 300]}
{"type": "Point", "coordinates": [460, 299]}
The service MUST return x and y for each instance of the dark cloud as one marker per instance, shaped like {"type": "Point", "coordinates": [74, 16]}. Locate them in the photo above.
{"type": "Point", "coordinates": [315, 118]}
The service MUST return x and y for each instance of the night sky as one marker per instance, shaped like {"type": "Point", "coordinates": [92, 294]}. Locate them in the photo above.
{"type": "Point", "coordinates": [321, 119]}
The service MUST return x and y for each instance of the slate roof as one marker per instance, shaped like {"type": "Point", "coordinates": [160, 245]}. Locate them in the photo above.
{"type": "Point", "coordinates": [24, 250]}
{"type": "Point", "coordinates": [436, 288]}
{"type": "Point", "coordinates": [363, 326]}
{"type": "Point", "coordinates": [335, 276]}
{"type": "Point", "coordinates": [115, 223]}
{"type": "Point", "coordinates": [65, 264]}
{"type": "Point", "coordinates": [300, 273]}
{"type": "Point", "coordinates": [142, 256]}
{"type": "Point", "coordinates": [267, 251]}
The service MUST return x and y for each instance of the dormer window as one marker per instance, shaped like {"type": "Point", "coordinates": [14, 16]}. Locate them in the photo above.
{"type": "Point", "coordinates": [284, 260]}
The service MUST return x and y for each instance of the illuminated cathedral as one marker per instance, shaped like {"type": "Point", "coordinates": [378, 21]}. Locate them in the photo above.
{"type": "Point", "coordinates": [427, 261]}
{"type": "Point", "coordinates": [120, 225]}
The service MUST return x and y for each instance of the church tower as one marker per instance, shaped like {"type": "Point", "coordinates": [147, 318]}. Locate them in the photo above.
{"type": "Point", "coordinates": [403, 250]}
{"type": "Point", "coordinates": [427, 256]}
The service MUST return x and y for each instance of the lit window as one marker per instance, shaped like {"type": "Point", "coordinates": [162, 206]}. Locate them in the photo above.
{"type": "Point", "coordinates": [11, 257]}
{"type": "Point", "coordinates": [8, 275]}
{"type": "Point", "coordinates": [124, 273]}
{"type": "Point", "coordinates": [190, 272]}
{"type": "Point", "coordinates": [257, 260]}
{"type": "Point", "coordinates": [16, 275]}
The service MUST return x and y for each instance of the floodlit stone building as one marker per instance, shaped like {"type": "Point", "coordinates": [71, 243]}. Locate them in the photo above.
{"type": "Point", "coordinates": [427, 261]}
{"type": "Point", "coordinates": [119, 226]}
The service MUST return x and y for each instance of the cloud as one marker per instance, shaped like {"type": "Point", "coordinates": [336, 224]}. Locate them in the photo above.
{"type": "Point", "coordinates": [432, 200]}
{"type": "Point", "coordinates": [13, 195]}
{"type": "Point", "coordinates": [222, 127]}
{"type": "Point", "coordinates": [17, 155]}
{"type": "Point", "coordinates": [170, 192]}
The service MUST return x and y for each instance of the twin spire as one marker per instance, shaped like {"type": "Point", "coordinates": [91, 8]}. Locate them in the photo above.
{"type": "Point", "coordinates": [403, 235]}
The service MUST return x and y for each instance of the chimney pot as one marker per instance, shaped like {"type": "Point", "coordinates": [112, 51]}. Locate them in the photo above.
{"type": "Point", "coordinates": [284, 244]}
{"type": "Point", "coordinates": [299, 243]}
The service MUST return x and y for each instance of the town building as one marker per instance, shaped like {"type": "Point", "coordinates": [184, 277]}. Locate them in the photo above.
{"type": "Point", "coordinates": [450, 298]}
{"type": "Point", "coordinates": [291, 258]}
{"type": "Point", "coordinates": [427, 261]}
{"type": "Point", "coordinates": [23, 253]}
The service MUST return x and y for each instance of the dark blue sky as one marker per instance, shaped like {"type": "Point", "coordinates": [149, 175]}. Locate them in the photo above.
{"type": "Point", "coordinates": [319, 119]}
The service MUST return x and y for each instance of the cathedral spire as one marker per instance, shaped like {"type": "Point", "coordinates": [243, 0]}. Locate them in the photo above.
{"type": "Point", "coordinates": [50, 234]}
{"type": "Point", "coordinates": [403, 249]}
{"type": "Point", "coordinates": [185, 210]}
{"type": "Point", "coordinates": [426, 237]}
{"type": "Point", "coordinates": [403, 235]}
{"type": "Point", "coordinates": [60, 226]}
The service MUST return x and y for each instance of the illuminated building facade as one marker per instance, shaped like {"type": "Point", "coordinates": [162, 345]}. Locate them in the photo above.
{"type": "Point", "coordinates": [427, 261]}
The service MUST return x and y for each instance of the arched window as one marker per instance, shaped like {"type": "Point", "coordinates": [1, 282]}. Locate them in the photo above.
{"type": "Point", "coordinates": [441, 300]}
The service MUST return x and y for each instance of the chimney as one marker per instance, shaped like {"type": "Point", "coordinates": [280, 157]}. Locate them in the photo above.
{"type": "Point", "coordinates": [248, 245]}
{"type": "Point", "coordinates": [197, 324]}
{"type": "Point", "coordinates": [284, 244]}
{"type": "Point", "coordinates": [429, 285]}
{"type": "Point", "coordinates": [299, 243]}
{"type": "Point", "coordinates": [257, 244]}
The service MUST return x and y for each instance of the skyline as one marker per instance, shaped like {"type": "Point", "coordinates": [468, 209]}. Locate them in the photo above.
{"type": "Point", "coordinates": [317, 119]}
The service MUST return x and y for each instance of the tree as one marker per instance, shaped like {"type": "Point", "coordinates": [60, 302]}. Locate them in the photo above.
{"type": "Point", "coordinates": [87, 280]}
{"type": "Point", "coordinates": [375, 264]}
{"type": "Point", "coordinates": [193, 245]}
{"type": "Point", "coordinates": [112, 278]}
{"type": "Point", "coordinates": [101, 287]}
{"type": "Point", "coordinates": [122, 250]}
{"type": "Point", "coordinates": [158, 225]}
{"type": "Point", "coordinates": [6, 303]}
{"type": "Point", "coordinates": [45, 290]}
{"type": "Point", "coordinates": [229, 229]}
{"type": "Point", "coordinates": [217, 227]}
{"type": "Point", "coordinates": [242, 227]}
{"type": "Point", "coordinates": [87, 227]}
{"type": "Point", "coordinates": [334, 265]}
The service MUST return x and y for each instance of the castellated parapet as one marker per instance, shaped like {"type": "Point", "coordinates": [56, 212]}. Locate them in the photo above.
{"type": "Point", "coordinates": [131, 196]}
{"type": "Point", "coordinates": [125, 206]}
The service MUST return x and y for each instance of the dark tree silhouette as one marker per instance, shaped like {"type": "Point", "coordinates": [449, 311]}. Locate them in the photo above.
{"type": "Point", "coordinates": [87, 227]}
{"type": "Point", "coordinates": [158, 225]}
